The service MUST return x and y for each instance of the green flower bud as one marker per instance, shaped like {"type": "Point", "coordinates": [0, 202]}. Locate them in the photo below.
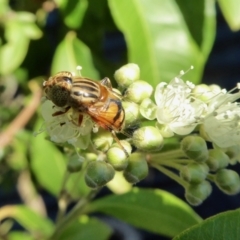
{"type": "Point", "coordinates": [138, 91]}
{"type": "Point", "coordinates": [147, 139]}
{"type": "Point", "coordinates": [137, 168]}
{"type": "Point", "coordinates": [102, 140]}
{"type": "Point", "coordinates": [75, 163]}
{"type": "Point", "coordinates": [228, 181]}
{"type": "Point", "coordinates": [194, 172]}
{"type": "Point", "coordinates": [116, 156]}
{"type": "Point", "coordinates": [132, 113]}
{"type": "Point", "coordinates": [90, 156]}
{"type": "Point", "coordinates": [233, 154]}
{"type": "Point", "coordinates": [202, 92]}
{"type": "Point", "coordinates": [195, 148]}
{"type": "Point", "coordinates": [164, 130]}
{"type": "Point", "coordinates": [148, 109]}
{"type": "Point", "coordinates": [195, 194]}
{"type": "Point", "coordinates": [127, 74]}
{"type": "Point", "coordinates": [203, 133]}
{"type": "Point", "coordinates": [205, 92]}
{"type": "Point", "coordinates": [98, 173]}
{"type": "Point", "coordinates": [217, 159]}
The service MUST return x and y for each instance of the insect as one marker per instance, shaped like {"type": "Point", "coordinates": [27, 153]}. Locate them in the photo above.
{"type": "Point", "coordinates": [94, 98]}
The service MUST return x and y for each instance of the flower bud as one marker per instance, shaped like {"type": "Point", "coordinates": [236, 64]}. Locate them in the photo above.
{"type": "Point", "coordinates": [195, 194]}
{"type": "Point", "coordinates": [138, 91]}
{"type": "Point", "coordinates": [132, 113]}
{"type": "Point", "coordinates": [233, 154]}
{"type": "Point", "coordinates": [164, 130]}
{"type": "Point", "coordinates": [98, 173]}
{"type": "Point", "coordinates": [102, 140]}
{"type": "Point", "coordinates": [228, 181]}
{"type": "Point", "coordinates": [116, 156]}
{"type": "Point", "coordinates": [194, 172]}
{"type": "Point", "coordinates": [148, 109]}
{"type": "Point", "coordinates": [137, 168]}
{"type": "Point", "coordinates": [205, 92]}
{"type": "Point", "coordinates": [202, 92]}
{"type": "Point", "coordinates": [75, 163]}
{"type": "Point", "coordinates": [90, 156]}
{"type": "Point", "coordinates": [217, 159]}
{"type": "Point", "coordinates": [148, 139]}
{"type": "Point", "coordinates": [127, 74]}
{"type": "Point", "coordinates": [195, 148]}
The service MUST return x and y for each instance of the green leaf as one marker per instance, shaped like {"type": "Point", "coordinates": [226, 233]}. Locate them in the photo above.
{"type": "Point", "coordinates": [76, 185]}
{"type": "Point", "coordinates": [153, 210]}
{"type": "Point", "coordinates": [29, 28]}
{"type": "Point", "coordinates": [18, 32]}
{"type": "Point", "coordinates": [14, 51]}
{"type": "Point", "coordinates": [160, 40]}
{"type": "Point", "coordinates": [220, 227]}
{"type": "Point", "coordinates": [86, 228]}
{"type": "Point", "coordinates": [74, 12]}
{"type": "Point", "coordinates": [203, 13]}
{"type": "Point", "coordinates": [18, 235]}
{"type": "Point", "coordinates": [29, 219]}
{"type": "Point", "coordinates": [18, 159]}
{"type": "Point", "coordinates": [47, 163]}
{"type": "Point", "coordinates": [231, 10]}
{"type": "Point", "coordinates": [70, 53]}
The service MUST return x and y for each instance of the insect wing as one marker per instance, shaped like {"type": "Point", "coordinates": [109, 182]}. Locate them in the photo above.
{"type": "Point", "coordinates": [109, 115]}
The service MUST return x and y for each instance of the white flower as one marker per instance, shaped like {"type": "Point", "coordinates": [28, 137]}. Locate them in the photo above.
{"type": "Point", "coordinates": [222, 121]}
{"type": "Point", "coordinates": [177, 109]}
{"type": "Point", "coordinates": [64, 126]}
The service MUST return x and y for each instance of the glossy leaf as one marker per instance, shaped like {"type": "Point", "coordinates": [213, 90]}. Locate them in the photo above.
{"type": "Point", "coordinates": [220, 227]}
{"type": "Point", "coordinates": [231, 10]}
{"type": "Point", "coordinates": [30, 220]}
{"type": "Point", "coordinates": [86, 228]}
{"type": "Point", "coordinates": [70, 53]}
{"type": "Point", "coordinates": [200, 18]}
{"type": "Point", "coordinates": [47, 163]}
{"type": "Point", "coordinates": [159, 38]}
{"type": "Point", "coordinates": [153, 210]}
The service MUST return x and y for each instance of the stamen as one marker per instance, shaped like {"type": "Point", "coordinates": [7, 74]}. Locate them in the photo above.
{"type": "Point", "coordinates": [79, 68]}
{"type": "Point", "coordinates": [182, 72]}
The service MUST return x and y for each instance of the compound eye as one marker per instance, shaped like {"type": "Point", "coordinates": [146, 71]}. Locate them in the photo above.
{"type": "Point", "coordinates": [68, 80]}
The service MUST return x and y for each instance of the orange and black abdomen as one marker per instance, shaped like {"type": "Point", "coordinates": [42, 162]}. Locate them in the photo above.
{"type": "Point", "coordinates": [109, 115]}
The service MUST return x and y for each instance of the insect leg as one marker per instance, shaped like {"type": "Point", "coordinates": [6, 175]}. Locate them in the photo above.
{"type": "Point", "coordinates": [60, 112]}
{"type": "Point", "coordinates": [117, 140]}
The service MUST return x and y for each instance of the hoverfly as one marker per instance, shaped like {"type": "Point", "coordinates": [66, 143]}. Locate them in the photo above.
{"type": "Point", "coordinates": [83, 95]}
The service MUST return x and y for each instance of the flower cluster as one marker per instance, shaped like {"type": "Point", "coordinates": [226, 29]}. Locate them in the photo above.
{"type": "Point", "coordinates": [191, 115]}
{"type": "Point", "coordinates": [62, 126]}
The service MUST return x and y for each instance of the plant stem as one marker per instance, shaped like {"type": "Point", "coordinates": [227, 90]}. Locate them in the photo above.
{"type": "Point", "coordinates": [73, 214]}
{"type": "Point", "coordinates": [63, 198]}
{"type": "Point", "coordinates": [171, 175]}
{"type": "Point", "coordinates": [177, 153]}
{"type": "Point", "coordinates": [211, 177]}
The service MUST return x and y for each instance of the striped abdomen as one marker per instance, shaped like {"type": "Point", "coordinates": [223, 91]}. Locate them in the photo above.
{"type": "Point", "coordinates": [85, 91]}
